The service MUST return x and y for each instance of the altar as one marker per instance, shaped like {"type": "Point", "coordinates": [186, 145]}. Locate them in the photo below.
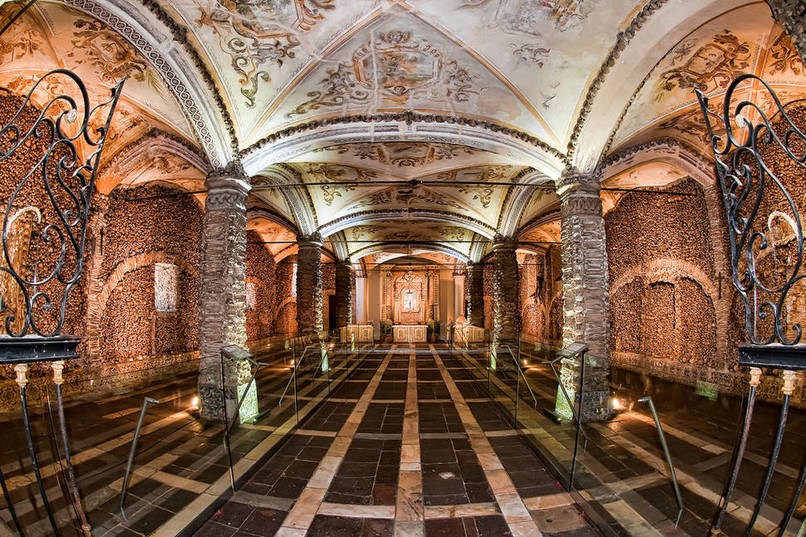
{"type": "Point", "coordinates": [410, 333]}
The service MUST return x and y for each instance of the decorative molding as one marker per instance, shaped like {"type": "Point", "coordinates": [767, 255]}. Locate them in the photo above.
{"type": "Point", "coordinates": [435, 247]}
{"type": "Point", "coordinates": [344, 222]}
{"type": "Point", "coordinates": [298, 198]}
{"type": "Point", "coordinates": [126, 158]}
{"type": "Point", "coordinates": [670, 146]}
{"type": "Point", "coordinates": [622, 40]}
{"type": "Point", "coordinates": [409, 118]}
{"type": "Point", "coordinates": [179, 33]}
{"type": "Point", "coordinates": [165, 67]}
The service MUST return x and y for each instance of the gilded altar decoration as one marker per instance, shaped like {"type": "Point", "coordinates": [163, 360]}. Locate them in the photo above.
{"type": "Point", "coordinates": [711, 67]}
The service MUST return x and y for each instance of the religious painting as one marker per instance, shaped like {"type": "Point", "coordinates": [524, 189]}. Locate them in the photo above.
{"type": "Point", "coordinates": [411, 301]}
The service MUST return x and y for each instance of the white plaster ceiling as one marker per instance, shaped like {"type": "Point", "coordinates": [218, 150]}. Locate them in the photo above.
{"type": "Point", "coordinates": [519, 74]}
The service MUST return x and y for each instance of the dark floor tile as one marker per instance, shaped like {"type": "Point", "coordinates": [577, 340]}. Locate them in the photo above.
{"type": "Point", "coordinates": [331, 526]}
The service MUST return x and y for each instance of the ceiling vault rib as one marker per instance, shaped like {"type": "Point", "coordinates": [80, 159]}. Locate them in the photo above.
{"type": "Point", "coordinates": [492, 69]}
{"type": "Point", "coordinates": [179, 33]}
{"type": "Point", "coordinates": [622, 40]}
{"type": "Point", "coordinates": [409, 117]}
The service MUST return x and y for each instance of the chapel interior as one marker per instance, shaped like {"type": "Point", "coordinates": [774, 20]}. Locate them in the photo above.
{"type": "Point", "coordinates": [402, 268]}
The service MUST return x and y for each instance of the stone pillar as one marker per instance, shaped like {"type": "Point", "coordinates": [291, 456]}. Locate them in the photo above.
{"type": "Point", "coordinates": [344, 293]}
{"type": "Point", "coordinates": [506, 309]}
{"type": "Point", "coordinates": [585, 293]}
{"type": "Point", "coordinates": [792, 16]}
{"type": "Point", "coordinates": [459, 301]}
{"type": "Point", "coordinates": [475, 291]}
{"type": "Point", "coordinates": [222, 316]}
{"type": "Point", "coordinates": [95, 281]}
{"type": "Point", "coordinates": [309, 285]}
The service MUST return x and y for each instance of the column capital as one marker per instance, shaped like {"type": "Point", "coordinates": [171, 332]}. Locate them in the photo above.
{"type": "Point", "coordinates": [309, 241]}
{"type": "Point", "coordinates": [227, 189]}
{"type": "Point", "coordinates": [573, 181]}
{"type": "Point", "coordinates": [232, 170]}
{"type": "Point", "coordinates": [504, 243]}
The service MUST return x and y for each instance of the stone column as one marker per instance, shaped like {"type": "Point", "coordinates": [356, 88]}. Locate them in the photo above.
{"type": "Point", "coordinates": [95, 281]}
{"type": "Point", "coordinates": [309, 285]}
{"type": "Point", "coordinates": [344, 293]}
{"type": "Point", "coordinates": [585, 293]}
{"type": "Point", "coordinates": [222, 316]}
{"type": "Point", "coordinates": [475, 291]}
{"type": "Point", "coordinates": [506, 309]}
{"type": "Point", "coordinates": [459, 294]}
{"type": "Point", "coordinates": [792, 16]}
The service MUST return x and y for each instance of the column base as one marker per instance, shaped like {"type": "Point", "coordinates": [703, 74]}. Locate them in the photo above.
{"type": "Point", "coordinates": [595, 405]}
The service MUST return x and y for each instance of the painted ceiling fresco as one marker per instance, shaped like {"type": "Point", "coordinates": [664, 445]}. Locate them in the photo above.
{"type": "Point", "coordinates": [523, 63]}
{"type": "Point", "coordinates": [746, 40]}
{"type": "Point", "coordinates": [51, 35]}
{"type": "Point", "coordinates": [527, 65]}
{"type": "Point", "coordinates": [335, 194]}
{"type": "Point", "coordinates": [362, 236]}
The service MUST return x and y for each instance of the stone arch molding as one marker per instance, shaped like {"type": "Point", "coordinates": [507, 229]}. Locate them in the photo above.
{"type": "Point", "coordinates": [154, 40]}
{"type": "Point", "coordinates": [432, 247]}
{"type": "Point", "coordinates": [340, 224]}
{"type": "Point", "coordinates": [298, 198]}
{"type": "Point", "coordinates": [137, 262]}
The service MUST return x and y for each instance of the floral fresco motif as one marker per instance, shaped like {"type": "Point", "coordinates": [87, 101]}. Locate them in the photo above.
{"type": "Point", "coordinates": [334, 173]}
{"type": "Point", "coordinates": [524, 16]}
{"type": "Point", "coordinates": [692, 124]}
{"type": "Point", "coordinates": [407, 197]}
{"type": "Point", "coordinates": [784, 57]}
{"type": "Point", "coordinates": [258, 34]}
{"type": "Point", "coordinates": [401, 154]}
{"type": "Point", "coordinates": [531, 53]}
{"type": "Point", "coordinates": [481, 193]}
{"type": "Point", "coordinates": [107, 51]}
{"type": "Point", "coordinates": [711, 67]}
{"type": "Point", "coordinates": [22, 44]}
{"type": "Point", "coordinates": [398, 68]}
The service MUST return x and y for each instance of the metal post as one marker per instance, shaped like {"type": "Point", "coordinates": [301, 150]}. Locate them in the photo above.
{"type": "Point", "coordinates": [517, 389]}
{"type": "Point", "coordinates": [776, 450]}
{"type": "Point", "coordinates": [58, 379]}
{"type": "Point", "coordinates": [580, 395]}
{"type": "Point", "coordinates": [146, 401]}
{"type": "Point", "coordinates": [755, 379]}
{"type": "Point", "coordinates": [296, 400]}
{"type": "Point", "coordinates": [662, 437]}
{"type": "Point", "coordinates": [10, 504]}
{"type": "Point", "coordinates": [22, 381]}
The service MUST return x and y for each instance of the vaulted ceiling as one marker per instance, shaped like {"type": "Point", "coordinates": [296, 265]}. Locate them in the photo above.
{"type": "Point", "coordinates": [393, 125]}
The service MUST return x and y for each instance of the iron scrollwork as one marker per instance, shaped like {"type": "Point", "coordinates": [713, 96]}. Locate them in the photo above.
{"type": "Point", "coordinates": [762, 215]}
{"type": "Point", "coordinates": [766, 246]}
{"type": "Point", "coordinates": [46, 214]}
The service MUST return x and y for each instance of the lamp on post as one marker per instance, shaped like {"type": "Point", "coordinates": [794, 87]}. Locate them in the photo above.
{"type": "Point", "coordinates": [53, 153]}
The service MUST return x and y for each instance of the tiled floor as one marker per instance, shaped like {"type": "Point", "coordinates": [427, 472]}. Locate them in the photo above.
{"type": "Point", "coordinates": [409, 444]}
{"type": "Point", "coordinates": [410, 459]}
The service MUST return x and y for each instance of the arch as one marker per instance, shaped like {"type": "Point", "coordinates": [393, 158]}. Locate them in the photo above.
{"type": "Point", "coordinates": [198, 97]}
{"type": "Point", "coordinates": [431, 247]}
{"type": "Point", "coordinates": [139, 261]}
{"type": "Point", "coordinates": [653, 31]}
{"type": "Point", "coordinates": [140, 155]}
{"type": "Point", "coordinates": [517, 199]}
{"type": "Point", "coordinates": [297, 197]}
{"type": "Point", "coordinates": [291, 142]}
{"type": "Point", "coordinates": [340, 224]}
{"type": "Point", "coordinates": [258, 213]}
